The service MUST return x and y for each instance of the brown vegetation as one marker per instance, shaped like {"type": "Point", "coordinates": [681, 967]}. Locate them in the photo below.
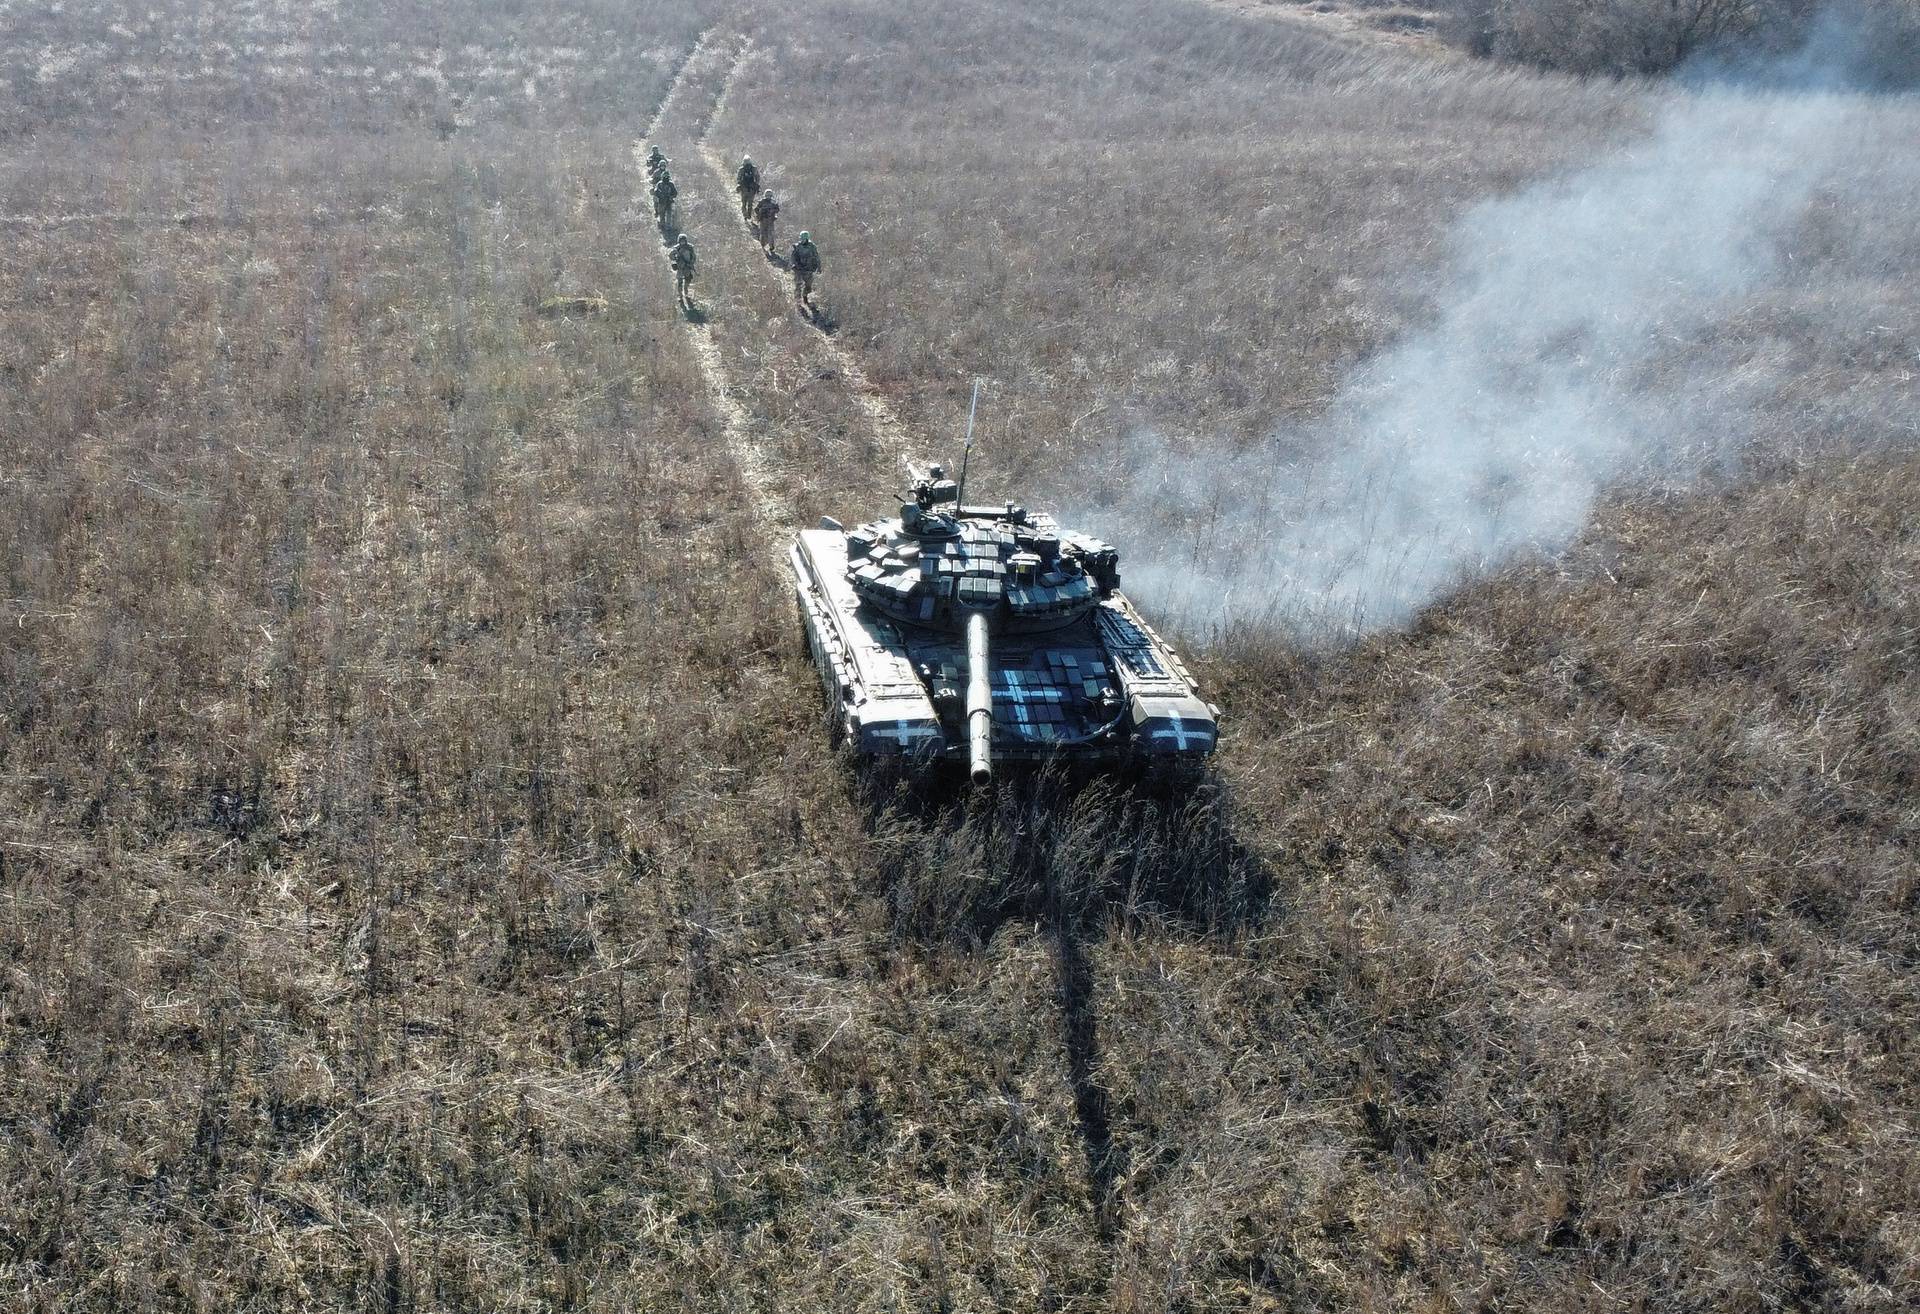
{"type": "Point", "coordinates": [1624, 37]}
{"type": "Point", "coordinates": [421, 885]}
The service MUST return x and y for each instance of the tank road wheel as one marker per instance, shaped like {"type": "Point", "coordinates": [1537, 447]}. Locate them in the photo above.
{"type": "Point", "coordinates": [836, 725]}
{"type": "Point", "coordinates": [830, 718]}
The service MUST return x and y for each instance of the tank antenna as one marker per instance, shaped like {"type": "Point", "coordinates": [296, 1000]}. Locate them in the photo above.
{"type": "Point", "coordinates": [960, 492]}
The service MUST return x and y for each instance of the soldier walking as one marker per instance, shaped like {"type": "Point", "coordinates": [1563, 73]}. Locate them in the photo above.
{"type": "Point", "coordinates": [746, 181]}
{"type": "Point", "coordinates": [805, 263]}
{"type": "Point", "coordinates": [655, 162]}
{"type": "Point", "coordinates": [765, 211]}
{"type": "Point", "coordinates": [682, 258]}
{"type": "Point", "coordinates": [663, 194]}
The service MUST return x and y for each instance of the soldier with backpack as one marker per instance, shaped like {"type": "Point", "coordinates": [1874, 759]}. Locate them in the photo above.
{"type": "Point", "coordinates": [746, 182]}
{"type": "Point", "coordinates": [805, 263]}
{"type": "Point", "coordinates": [663, 194]}
{"type": "Point", "coordinates": [765, 211]}
{"type": "Point", "coordinates": [682, 258]}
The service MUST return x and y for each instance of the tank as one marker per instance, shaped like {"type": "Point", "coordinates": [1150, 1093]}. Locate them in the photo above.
{"type": "Point", "coordinates": [987, 635]}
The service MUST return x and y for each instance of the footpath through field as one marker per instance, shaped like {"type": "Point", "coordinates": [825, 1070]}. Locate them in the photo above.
{"type": "Point", "coordinates": [736, 423]}
{"type": "Point", "coordinates": [886, 425]}
{"type": "Point", "coordinates": [805, 425]}
{"type": "Point", "coordinates": [801, 420]}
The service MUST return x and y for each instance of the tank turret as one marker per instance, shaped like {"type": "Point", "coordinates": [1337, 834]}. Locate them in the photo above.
{"type": "Point", "coordinates": [985, 634]}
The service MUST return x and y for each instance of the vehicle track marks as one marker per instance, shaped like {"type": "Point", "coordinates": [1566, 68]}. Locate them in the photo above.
{"type": "Point", "coordinates": [721, 59]}
{"type": "Point", "coordinates": [132, 218]}
{"type": "Point", "coordinates": [191, 220]}
{"type": "Point", "coordinates": [891, 435]}
{"type": "Point", "coordinates": [735, 423]}
{"type": "Point", "coordinates": [699, 47]}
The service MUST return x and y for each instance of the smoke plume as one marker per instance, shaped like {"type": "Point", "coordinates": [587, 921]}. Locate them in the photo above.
{"type": "Point", "coordinates": [1589, 335]}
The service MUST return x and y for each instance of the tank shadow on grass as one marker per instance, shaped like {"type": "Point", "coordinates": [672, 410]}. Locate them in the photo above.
{"type": "Point", "coordinates": [1078, 854]}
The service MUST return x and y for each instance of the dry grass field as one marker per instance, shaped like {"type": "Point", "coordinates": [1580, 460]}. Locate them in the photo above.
{"type": "Point", "coordinates": [422, 884]}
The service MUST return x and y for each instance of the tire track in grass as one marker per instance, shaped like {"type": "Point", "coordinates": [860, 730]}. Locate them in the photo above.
{"type": "Point", "coordinates": [674, 87]}
{"type": "Point", "coordinates": [742, 432]}
{"type": "Point", "coordinates": [1092, 1117]}
{"type": "Point", "coordinates": [211, 219]}
{"type": "Point", "coordinates": [890, 434]}
{"type": "Point", "coordinates": [188, 221]}
{"type": "Point", "coordinates": [736, 425]}
{"type": "Point", "coordinates": [126, 218]}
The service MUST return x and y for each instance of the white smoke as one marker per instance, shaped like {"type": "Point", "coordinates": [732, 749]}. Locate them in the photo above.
{"type": "Point", "coordinates": [1564, 360]}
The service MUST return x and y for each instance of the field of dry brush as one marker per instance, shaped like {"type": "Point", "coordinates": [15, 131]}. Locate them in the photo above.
{"type": "Point", "coordinates": [422, 884]}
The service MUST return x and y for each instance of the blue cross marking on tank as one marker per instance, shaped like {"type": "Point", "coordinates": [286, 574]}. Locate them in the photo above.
{"type": "Point", "coordinates": [903, 733]}
{"type": "Point", "coordinates": [1177, 731]}
{"type": "Point", "coordinates": [1067, 662]}
{"type": "Point", "coordinates": [1017, 692]}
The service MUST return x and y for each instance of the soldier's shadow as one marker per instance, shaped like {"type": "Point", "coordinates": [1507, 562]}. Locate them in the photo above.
{"type": "Point", "coordinates": [777, 260]}
{"type": "Point", "coordinates": [695, 312]}
{"type": "Point", "coordinates": [1080, 857]}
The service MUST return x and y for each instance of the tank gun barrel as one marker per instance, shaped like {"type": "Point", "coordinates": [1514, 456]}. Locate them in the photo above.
{"type": "Point", "coordinates": [979, 701]}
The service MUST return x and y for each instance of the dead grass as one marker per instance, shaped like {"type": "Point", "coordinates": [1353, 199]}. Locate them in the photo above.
{"type": "Point", "coordinates": [1204, 239]}
{"type": "Point", "coordinates": [421, 885]}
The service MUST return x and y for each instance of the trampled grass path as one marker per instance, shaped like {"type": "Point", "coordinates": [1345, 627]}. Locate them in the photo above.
{"type": "Point", "coordinates": [674, 88]}
{"type": "Point", "coordinates": [891, 434]}
{"type": "Point", "coordinates": [736, 425]}
{"type": "Point", "coordinates": [679, 120]}
{"type": "Point", "coordinates": [757, 316]}
{"type": "Point", "coordinates": [773, 332]}
{"type": "Point", "coordinates": [166, 219]}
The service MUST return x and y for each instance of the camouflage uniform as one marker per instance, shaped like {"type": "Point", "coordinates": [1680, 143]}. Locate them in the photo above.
{"type": "Point", "coordinates": [682, 258]}
{"type": "Point", "coordinates": [746, 182]}
{"type": "Point", "coordinates": [805, 263]}
{"type": "Point", "coordinates": [655, 162]}
{"type": "Point", "coordinates": [663, 193]}
{"type": "Point", "coordinates": [765, 212]}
